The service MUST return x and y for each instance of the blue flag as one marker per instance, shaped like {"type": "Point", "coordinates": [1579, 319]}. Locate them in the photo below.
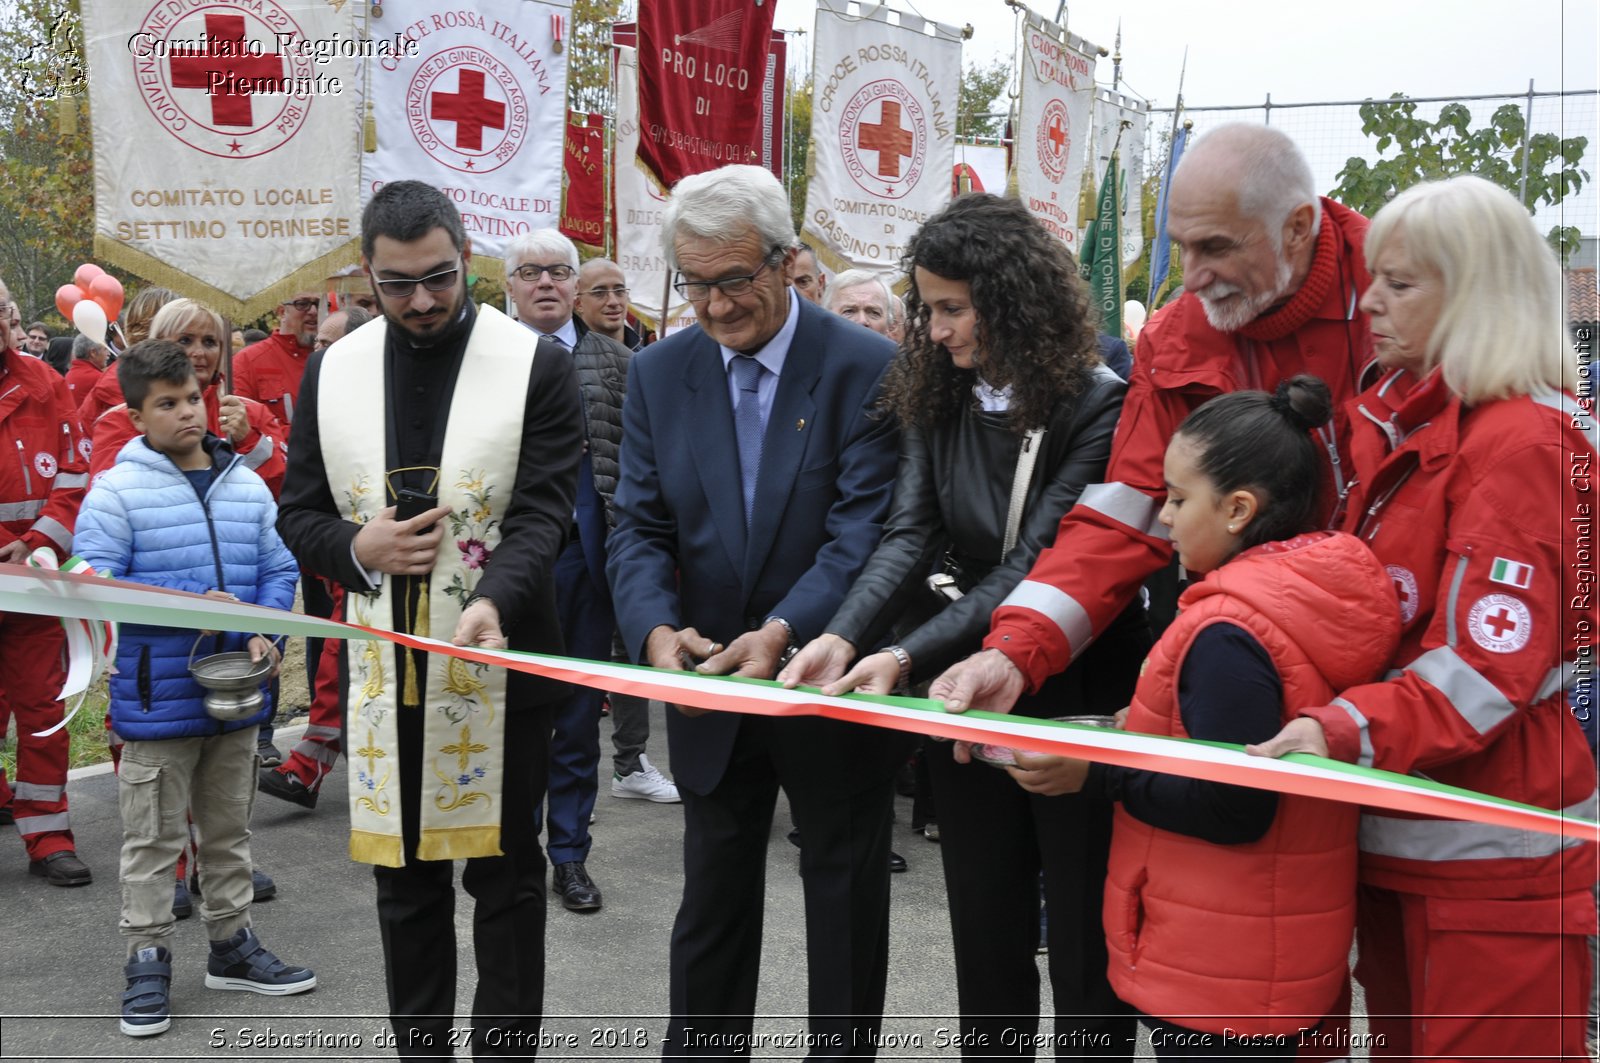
{"type": "Point", "coordinates": [1160, 257]}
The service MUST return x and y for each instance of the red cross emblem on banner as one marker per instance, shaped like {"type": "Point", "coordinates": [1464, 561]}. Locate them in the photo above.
{"type": "Point", "coordinates": [226, 51]}
{"type": "Point", "coordinates": [1053, 140]}
{"type": "Point", "coordinates": [898, 134]}
{"type": "Point", "coordinates": [1056, 134]}
{"type": "Point", "coordinates": [888, 138]}
{"type": "Point", "coordinates": [470, 109]}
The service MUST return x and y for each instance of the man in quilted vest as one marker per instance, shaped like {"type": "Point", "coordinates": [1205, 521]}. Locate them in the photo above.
{"type": "Point", "coordinates": [542, 275]}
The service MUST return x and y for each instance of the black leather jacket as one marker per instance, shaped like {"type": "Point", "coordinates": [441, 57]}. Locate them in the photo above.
{"type": "Point", "coordinates": [952, 493]}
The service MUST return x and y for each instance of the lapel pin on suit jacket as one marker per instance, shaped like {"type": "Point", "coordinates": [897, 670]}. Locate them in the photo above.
{"type": "Point", "coordinates": [799, 426]}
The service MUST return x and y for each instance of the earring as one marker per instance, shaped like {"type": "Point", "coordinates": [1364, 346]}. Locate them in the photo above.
{"type": "Point", "coordinates": [1233, 529]}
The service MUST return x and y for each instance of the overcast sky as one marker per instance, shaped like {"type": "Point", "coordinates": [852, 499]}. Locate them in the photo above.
{"type": "Point", "coordinates": [1302, 53]}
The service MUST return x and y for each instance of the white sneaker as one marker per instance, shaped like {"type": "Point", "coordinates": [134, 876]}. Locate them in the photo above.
{"type": "Point", "coordinates": [646, 784]}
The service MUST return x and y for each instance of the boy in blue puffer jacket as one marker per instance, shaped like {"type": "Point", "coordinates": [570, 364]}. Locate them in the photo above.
{"type": "Point", "coordinates": [180, 510]}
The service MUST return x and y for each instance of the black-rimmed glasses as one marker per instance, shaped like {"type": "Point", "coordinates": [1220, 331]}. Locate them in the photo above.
{"type": "Point", "coordinates": [732, 287]}
{"type": "Point", "coordinates": [530, 272]}
{"type": "Point", "coordinates": [302, 305]}
{"type": "Point", "coordinates": [401, 287]}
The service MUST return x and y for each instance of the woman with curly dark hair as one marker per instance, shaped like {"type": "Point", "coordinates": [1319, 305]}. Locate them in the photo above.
{"type": "Point", "coordinates": [1006, 415]}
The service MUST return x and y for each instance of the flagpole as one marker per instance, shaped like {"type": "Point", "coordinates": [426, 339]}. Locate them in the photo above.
{"type": "Point", "coordinates": [1172, 138]}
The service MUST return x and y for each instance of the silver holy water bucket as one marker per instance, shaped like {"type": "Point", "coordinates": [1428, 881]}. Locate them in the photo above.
{"type": "Point", "coordinates": [232, 681]}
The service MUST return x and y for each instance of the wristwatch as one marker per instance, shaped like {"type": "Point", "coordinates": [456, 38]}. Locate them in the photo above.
{"type": "Point", "coordinates": [793, 646]}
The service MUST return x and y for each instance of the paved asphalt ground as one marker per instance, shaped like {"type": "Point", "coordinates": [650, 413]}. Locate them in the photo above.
{"type": "Point", "coordinates": [61, 957]}
{"type": "Point", "coordinates": [606, 991]}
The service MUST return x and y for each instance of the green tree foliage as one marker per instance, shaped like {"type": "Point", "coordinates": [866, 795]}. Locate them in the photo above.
{"type": "Point", "coordinates": [982, 92]}
{"type": "Point", "coordinates": [589, 55]}
{"type": "Point", "coordinates": [46, 174]}
{"type": "Point", "coordinates": [1448, 146]}
{"type": "Point", "coordinates": [799, 151]}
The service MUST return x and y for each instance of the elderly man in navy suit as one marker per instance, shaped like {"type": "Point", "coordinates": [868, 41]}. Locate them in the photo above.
{"type": "Point", "coordinates": [756, 473]}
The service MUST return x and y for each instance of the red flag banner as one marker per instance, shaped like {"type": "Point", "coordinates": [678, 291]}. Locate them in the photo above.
{"type": "Point", "coordinates": [703, 65]}
{"type": "Point", "coordinates": [583, 214]}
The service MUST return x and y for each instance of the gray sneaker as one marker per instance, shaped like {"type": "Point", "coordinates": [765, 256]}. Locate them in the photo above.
{"type": "Point", "coordinates": [646, 784]}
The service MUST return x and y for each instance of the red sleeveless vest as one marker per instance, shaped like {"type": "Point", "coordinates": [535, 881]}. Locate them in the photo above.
{"type": "Point", "coordinates": [1252, 938]}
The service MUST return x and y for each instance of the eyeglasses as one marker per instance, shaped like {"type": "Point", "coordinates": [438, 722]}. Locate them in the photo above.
{"type": "Point", "coordinates": [606, 293]}
{"type": "Point", "coordinates": [530, 272]}
{"type": "Point", "coordinates": [733, 287]}
{"type": "Point", "coordinates": [302, 305]}
{"type": "Point", "coordinates": [401, 287]}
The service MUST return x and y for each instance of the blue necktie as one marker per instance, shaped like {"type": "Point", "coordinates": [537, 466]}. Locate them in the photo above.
{"type": "Point", "coordinates": [747, 424]}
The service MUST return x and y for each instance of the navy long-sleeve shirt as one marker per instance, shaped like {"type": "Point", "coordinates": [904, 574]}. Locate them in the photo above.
{"type": "Point", "coordinates": [1228, 691]}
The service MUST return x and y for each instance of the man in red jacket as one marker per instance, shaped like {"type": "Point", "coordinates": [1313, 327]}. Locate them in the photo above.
{"type": "Point", "coordinates": [1272, 274]}
{"type": "Point", "coordinates": [44, 461]}
{"type": "Point", "coordinates": [88, 362]}
{"type": "Point", "coordinates": [270, 371]}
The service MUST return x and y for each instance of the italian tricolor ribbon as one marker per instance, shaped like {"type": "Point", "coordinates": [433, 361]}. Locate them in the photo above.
{"type": "Point", "coordinates": [91, 644]}
{"type": "Point", "coordinates": [67, 595]}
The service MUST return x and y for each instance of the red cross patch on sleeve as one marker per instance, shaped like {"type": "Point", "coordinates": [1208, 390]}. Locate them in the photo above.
{"type": "Point", "coordinates": [1500, 623]}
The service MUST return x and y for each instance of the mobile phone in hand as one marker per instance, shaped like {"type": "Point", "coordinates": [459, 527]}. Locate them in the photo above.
{"type": "Point", "coordinates": [410, 502]}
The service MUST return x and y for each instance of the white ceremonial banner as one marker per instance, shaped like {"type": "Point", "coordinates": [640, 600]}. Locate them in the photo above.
{"type": "Point", "coordinates": [477, 107]}
{"type": "Point", "coordinates": [639, 208]}
{"type": "Point", "coordinates": [883, 115]}
{"type": "Point", "coordinates": [1111, 109]}
{"type": "Point", "coordinates": [226, 143]}
{"type": "Point", "coordinates": [1052, 136]}
{"type": "Point", "coordinates": [983, 165]}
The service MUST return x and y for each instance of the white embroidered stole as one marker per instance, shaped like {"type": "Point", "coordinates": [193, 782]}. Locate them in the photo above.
{"type": "Point", "coordinates": [463, 757]}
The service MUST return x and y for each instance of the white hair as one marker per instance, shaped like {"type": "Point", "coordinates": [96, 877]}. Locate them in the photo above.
{"type": "Point", "coordinates": [1500, 330]}
{"type": "Point", "coordinates": [546, 247]}
{"type": "Point", "coordinates": [716, 204]}
{"type": "Point", "coordinates": [1273, 177]}
{"type": "Point", "coordinates": [171, 319]}
{"type": "Point", "coordinates": [855, 278]}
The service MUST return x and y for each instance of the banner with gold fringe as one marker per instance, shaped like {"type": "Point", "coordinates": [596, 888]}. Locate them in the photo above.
{"type": "Point", "coordinates": [226, 143]}
{"type": "Point", "coordinates": [66, 595]}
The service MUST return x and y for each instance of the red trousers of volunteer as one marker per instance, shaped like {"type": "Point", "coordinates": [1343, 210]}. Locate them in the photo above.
{"type": "Point", "coordinates": [32, 670]}
{"type": "Point", "coordinates": [1465, 978]}
{"type": "Point", "coordinates": [315, 755]}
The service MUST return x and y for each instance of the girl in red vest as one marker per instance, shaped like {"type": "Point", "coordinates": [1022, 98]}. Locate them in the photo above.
{"type": "Point", "coordinates": [1229, 911]}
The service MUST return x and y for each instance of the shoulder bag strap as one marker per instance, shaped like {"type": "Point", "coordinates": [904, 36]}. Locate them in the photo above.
{"type": "Point", "coordinates": [1019, 487]}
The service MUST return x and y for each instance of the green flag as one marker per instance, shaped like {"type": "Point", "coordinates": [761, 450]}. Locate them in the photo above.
{"type": "Point", "coordinates": [1102, 255]}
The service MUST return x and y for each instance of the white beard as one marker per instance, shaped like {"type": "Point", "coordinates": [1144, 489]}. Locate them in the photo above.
{"type": "Point", "coordinates": [1240, 312]}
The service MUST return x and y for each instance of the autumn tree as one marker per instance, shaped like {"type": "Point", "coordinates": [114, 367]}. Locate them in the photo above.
{"type": "Point", "coordinates": [981, 108]}
{"type": "Point", "coordinates": [1449, 145]}
{"type": "Point", "coordinates": [589, 55]}
{"type": "Point", "coordinates": [46, 169]}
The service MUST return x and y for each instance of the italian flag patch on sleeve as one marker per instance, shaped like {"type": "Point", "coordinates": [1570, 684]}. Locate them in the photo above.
{"type": "Point", "coordinates": [1511, 573]}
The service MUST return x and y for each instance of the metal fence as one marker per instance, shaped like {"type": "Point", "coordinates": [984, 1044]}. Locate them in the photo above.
{"type": "Point", "coordinates": [1330, 134]}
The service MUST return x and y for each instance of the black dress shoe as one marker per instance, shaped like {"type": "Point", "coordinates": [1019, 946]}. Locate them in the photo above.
{"type": "Point", "coordinates": [577, 889]}
{"type": "Point", "coordinates": [897, 863]}
{"type": "Point", "coordinates": [286, 786]}
{"type": "Point", "coordinates": [62, 869]}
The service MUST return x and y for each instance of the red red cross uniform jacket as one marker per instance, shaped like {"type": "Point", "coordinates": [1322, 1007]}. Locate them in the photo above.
{"type": "Point", "coordinates": [44, 466]}
{"type": "Point", "coordinates": [1477, 514]}
{"type": "Point", "coordinates": [45, 462]}
{"type": "Point", "coordinates": [1180, 363]}
{"type": "Point", "coordinates": [263, 449]}
{"type": "Point", "coordinates": [270, 372]}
